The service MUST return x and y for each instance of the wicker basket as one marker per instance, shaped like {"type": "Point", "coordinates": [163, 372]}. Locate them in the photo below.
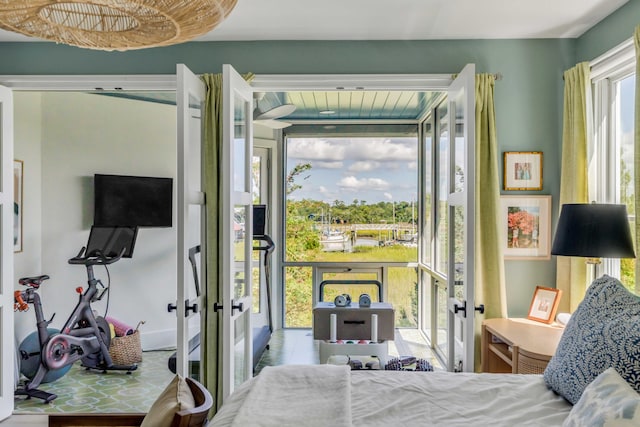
{"type": "Point", "coordinates": [528, 365]}
{"type": "Point", "coordinates": [127, 349]}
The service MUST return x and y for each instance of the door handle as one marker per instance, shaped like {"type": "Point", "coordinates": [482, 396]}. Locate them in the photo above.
{"type": "Point", "coordinates": [187, 308]}
{"type": "Point", "coordinates": [462, 308]}
{"type": "Point", "coordinates": [171, 307]}
{"type": "Point", "coordinates": [235, 307]}
{"type": "Point", "coordinates": [479, 308]}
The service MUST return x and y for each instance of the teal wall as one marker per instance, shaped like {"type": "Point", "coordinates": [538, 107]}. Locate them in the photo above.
{"type": "Point", "coordinates": [528, 99]}
{"type": "Point", "coordinates": [610, 32]}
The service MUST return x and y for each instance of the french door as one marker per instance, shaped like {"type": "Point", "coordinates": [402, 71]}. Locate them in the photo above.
{"type": "Point", "coordinates": [7, 214]}
{"type": "Point", "coordinates": [461, 211]}
{"type": "Point", "coordinates": [237, 233]}
{"type": "Point", "coordinates": [190, 96]}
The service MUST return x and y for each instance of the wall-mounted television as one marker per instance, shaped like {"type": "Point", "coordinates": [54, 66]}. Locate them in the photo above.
{"type": "Point", "coordinates": [132, 201]}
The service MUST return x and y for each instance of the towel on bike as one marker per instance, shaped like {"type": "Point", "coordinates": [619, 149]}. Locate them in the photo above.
{"type": "Point", "coordinates": [322, 394]}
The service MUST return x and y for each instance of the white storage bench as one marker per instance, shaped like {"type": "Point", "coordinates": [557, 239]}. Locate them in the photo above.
{"type": "Point", "coordinates": [353, 330]}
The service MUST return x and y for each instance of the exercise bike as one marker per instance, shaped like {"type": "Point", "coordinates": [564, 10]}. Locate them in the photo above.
{"type": "Point", "coordinates": [83, 337]}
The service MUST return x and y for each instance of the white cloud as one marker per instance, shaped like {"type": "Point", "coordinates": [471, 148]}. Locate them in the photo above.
{"type": "Point", "coordinates": [351, 183]}
{"type": "Point", "coordinates": [388, 195]}
{"type": "Point", "coordinates": [326, 165]}
{"type": "Point", "coordinates": [315, 149]}
{"type": "Point", "coordinates": [354, 149]}
{"type": "Point", "coordinates": [412, 165]}
{"type": "Point", "coordinates": [364, 166]}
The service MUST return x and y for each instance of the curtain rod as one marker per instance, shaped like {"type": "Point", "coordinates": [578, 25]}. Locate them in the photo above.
{"type": "Point", "coordinates": [497, 76]}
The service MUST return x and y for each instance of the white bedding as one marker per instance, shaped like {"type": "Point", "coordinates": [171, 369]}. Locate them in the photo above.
{"type": "Point", "coordinates": [400, 398]}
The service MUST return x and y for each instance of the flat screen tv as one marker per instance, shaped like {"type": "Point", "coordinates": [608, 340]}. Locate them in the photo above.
{"type": "Point", "coordinates": [111, 241]}
{"type": "Point", "coordinates": [132, 201]}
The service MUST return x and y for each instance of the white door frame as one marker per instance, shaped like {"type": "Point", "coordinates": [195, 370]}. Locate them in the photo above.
{"type": "Point", "coordinates": [7, 355]}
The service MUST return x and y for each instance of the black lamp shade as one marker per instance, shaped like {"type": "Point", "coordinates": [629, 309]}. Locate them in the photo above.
{"type": "Point", "coordinates": [594, 231]}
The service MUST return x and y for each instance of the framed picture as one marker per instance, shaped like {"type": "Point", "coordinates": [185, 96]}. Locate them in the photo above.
{"type": "Point", "coordinates": [526, 227]}
{"type": "Point", "coordinates": [18, 170]}
{"type": "Point", "coordinates": [523, 170]}
{"type": "Point", "coordinates": [544, 304]}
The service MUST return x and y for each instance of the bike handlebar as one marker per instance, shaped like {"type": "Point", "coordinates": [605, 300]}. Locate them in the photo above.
{"type": "Point", "coordinates": [95, 258]}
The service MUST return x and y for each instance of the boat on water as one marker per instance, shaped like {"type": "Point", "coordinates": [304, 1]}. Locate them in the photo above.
{"type": "Point", "coordinates": [334, 240]}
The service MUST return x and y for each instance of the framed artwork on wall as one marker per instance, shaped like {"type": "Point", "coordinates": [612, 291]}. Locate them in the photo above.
{"type": "Point", "coordinates": [18, 170]}
{"type": "Point", "coordinates": [522, 170]}
{"type": "Point", "coordinates": [544, 304]}
{"type": "Point", "coordinates": [526, 227]}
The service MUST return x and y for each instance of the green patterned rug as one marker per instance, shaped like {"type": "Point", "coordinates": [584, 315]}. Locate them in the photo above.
{"type": "Point", "coordinates": [94, 392]}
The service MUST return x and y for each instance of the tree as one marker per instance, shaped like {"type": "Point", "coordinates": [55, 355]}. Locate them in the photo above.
{"type": "Point", "coordinates": [297, 170]}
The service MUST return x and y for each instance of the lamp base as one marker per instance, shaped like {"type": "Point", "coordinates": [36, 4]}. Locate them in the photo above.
{"type": "Point", "coordinates": [592, 266]}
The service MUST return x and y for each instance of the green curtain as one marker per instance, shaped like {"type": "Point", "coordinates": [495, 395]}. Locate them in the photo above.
{"type": "Point", "coordinates": [211, 328]}
{"type": "Point", "coordinates": [211, 325]}
{"type": "Point", "coordinates": [571, 271]}
{"type": "Point", "coordinates": [490, 283]}
{"type": "Point", "coordinates": [636, 169]}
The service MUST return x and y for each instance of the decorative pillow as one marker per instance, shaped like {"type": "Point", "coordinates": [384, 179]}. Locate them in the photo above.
{"type": "Point", "coordinates": [607, 401]}
{"type": "Point", "coordinates": [175, 397]}
{"type": "Point", "coordinates": [603, 332]}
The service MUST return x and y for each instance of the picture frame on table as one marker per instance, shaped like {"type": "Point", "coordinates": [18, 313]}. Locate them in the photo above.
{"type": "Point", "coordinates": [522, 170]}
{"type": "Point", "coordinates": [544, 304]}
{"type": "Point", "coordinates": [18, 179]}
{"type": "Point", "coordinates": [526, 227]}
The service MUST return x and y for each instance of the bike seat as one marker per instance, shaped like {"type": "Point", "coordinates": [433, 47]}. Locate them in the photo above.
{"type": "Point", "coordinates": [34, 282]}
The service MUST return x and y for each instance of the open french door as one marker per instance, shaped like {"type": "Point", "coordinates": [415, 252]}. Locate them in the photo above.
{"type": "Point", "coordinates": [7, 214]}
{"type": "Point", "coordinates": [190, 96]}
{"type": "Point", "coordinates": [236, 230]}
{"type": "Point", "coordinates": [461, 212]}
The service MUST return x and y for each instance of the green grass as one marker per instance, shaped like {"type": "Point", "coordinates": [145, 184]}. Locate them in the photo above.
{"type": "Point", "coordinates": [401, 291]}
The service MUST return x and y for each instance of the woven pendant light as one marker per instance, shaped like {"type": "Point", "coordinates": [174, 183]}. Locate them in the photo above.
{"type": "Point", "coordinates": [114, 24]}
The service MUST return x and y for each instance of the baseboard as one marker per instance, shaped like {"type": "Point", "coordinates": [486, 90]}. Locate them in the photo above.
{"type": "Point", "coordinates": [158, 340]}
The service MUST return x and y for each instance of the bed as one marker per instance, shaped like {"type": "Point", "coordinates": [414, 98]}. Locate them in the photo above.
{"type": "Point", "coordinates": [593, 378]}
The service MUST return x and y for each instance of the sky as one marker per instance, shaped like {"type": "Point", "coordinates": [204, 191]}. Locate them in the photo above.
{"type": "Point", "coordinates": [369, 169]}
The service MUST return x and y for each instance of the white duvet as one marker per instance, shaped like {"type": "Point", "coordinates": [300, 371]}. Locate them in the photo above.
{"type": "Point", "coordinates": [399, 398]}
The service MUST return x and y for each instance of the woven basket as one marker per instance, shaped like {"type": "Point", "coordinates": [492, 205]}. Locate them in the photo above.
{"type": "Point", "coordinates": [127, 349]}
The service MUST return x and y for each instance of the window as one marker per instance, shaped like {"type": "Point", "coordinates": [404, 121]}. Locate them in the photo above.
{"type": "Point", "coordinates": [351, 204]}
{"type": "Point", "coordinates": [611, 167]}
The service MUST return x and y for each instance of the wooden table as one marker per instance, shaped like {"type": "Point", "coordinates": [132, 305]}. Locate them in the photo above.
{"type": "Point", "coordinates": [518, 346]}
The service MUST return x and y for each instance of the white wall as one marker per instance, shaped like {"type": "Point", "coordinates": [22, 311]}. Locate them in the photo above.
{"type": "Point", "coordinates": [27, 147]}
{"type": "Point", "coordinates": [85, 134]}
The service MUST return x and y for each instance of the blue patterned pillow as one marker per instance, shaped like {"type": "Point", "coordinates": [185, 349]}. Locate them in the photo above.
{"type": "Point", "coordinates": [603, 332]}
{"type": "Point", "coordinates": [607, 401]}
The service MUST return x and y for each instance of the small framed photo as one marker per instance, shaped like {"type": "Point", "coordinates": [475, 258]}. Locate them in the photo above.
{"type": "Point", "coordinates": [523, 170]}
{"type": "Point", "coordinates": [526, 227]}
{"type": "Point", "coordinates": [544, 304]}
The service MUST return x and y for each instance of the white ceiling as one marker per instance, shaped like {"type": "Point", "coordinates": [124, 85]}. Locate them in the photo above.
{"type": "Point", "coordinates": [411, 19]}
{"type": "Point", "coordinates": [404, 19]}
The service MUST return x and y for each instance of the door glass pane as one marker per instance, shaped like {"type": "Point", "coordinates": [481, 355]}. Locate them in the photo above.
{"type": "Point", "coordinates": [298, 297]}
{"type": "Point", "coordinates": [240, 288]}
{"type": "Point", "coordinates": [458, 348]}
{"type": "Point", "coordinates": [427, 293]}
{"type": "Point", "coordinates": [330, 290]}
{"type": "Point", "coordinates": [428, 193]}
{"type": "Point", "coordinates": [443, 313]}
{"type": "Point", "coordinates": [458, 251]}
{"type": "Point", "coordinates": [403, 295]}
{"type": "Point", "coordinates": [459, 147]}
{"type": "Point", "coordinates": [352, 199]}
{"type": "Point", "coordinates": [442, 226]}
{"type": "Point", "coordinates": [239, 144]}
{"type": "Point", "coordinates": [193, 328]}
{"type": "Point", "coordinates": [240, 353]}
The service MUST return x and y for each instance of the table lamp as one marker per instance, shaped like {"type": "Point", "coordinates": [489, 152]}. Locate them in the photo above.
{"type": "Point", "coordinates": [593, 231]}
